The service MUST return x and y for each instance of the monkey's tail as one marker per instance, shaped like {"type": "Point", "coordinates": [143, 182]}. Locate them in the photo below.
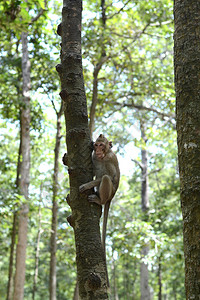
{"type": "Point", "coordinates": [105, 220]}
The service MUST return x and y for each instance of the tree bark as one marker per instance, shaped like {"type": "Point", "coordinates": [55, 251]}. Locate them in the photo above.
{"type": "Point", "coordinates": [24, 174]}
{"type": "Point", "coordinates": [187, 86]}
{"type": "Point", "coordinates": [91, 267]}
{"type": "Point", "coordinates": [53, 247]}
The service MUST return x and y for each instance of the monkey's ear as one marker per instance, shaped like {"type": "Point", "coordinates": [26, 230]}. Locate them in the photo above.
{"type": "Point", "coordinates": [110, 145]}
{"type": "Point", "coordinates": [92, 145]}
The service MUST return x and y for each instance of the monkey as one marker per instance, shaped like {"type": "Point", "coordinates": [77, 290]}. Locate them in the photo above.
{"type": "Point", "coordinates": [107, 175]}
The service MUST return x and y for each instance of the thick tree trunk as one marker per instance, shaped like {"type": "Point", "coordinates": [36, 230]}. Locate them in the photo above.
{"type": "Point", "coordinates": [24, 174]}
{"type": "Point", "coordinates": [187, 83]}
{"type": "Point", "coordinates": [91, 267]}
{"type": "Point", "coordinates": [52, 285]}
{"type": "Point", "coordinates": [144, 272]}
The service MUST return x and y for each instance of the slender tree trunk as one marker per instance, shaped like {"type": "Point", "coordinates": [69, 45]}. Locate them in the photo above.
{"type": "Point", "coordinates": [52, 286]}
{"type": "Point", "coordinates": [37, 249]}
{"type": "Point", "coordinates": [144, 273]}
{"type": "Point", "coordinates": [24, 174]}
{"type": "Point", "coordinates": [160, 278]}
{"type": "Point", "coordinates": [187, 84]}
{"type": "Point", "coordinates": [96, 71]}
{"type": "Point", "coordinates": [115, 291]}
{"type": "Point", "coordinates": [15, 215]}
{"type": "Point", "coordinates": [85, 218]}
{"type": "Point", "coordinates": [76, 292]}
{"type": "Point", "coordinates": [12, 250]}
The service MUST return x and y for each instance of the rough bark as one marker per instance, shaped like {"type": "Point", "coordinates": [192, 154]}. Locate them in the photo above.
{"type": "Point", "coordinates": [24, 174]}
{"type": "Point", "coordinates": [187, 85]}
{"type": "Point", "coordinates": [144, 272]}
{"type": "Point", "coordinates": [91, 267]}
{"type": "Point", "coordinates": [52, 284]}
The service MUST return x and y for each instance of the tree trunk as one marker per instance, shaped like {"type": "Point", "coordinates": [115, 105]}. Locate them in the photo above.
{"type": "Point", "coordinates": [115, 291]}
{"type": "Point", "coordinates": [24, 174]}
{"type": "Point", "coordinates": [96, 71]}
{"type": "Point", "coordinates": [12, 249]}
{"type": "Point", "coordinates": [37, 250]}
{"type": "Point", "coordinates": [52, 285]}
{"type": "Point", "coordinates": [15, 215]}
{"type": "Point", "coordinates": [76, 292]}
{"type": "Point", "coordinates": [187, 84]}
{"type": "Point", "coordinates": [85, 218]}
{"type": "Point", "coordinates": [160, 278]}
{"type": "Point", "coordinates": [144, 273]}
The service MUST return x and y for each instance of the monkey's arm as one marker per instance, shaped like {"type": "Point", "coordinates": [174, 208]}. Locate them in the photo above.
{"type": "Point", "coordinates": [89, 185]}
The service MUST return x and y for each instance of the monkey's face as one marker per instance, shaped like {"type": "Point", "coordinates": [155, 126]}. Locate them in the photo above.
{"type": "Point", "coordinates": [100, 149]}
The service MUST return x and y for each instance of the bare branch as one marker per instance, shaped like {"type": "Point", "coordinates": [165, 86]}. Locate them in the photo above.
{"type": "Point", "coordinates": [121, 9]}
{"type": "Point", "coordinates": [138, 163]}
{"type": "Point", "coordinates": [39, 14]}
{"type": "Point", "coordinates": [154, 171]}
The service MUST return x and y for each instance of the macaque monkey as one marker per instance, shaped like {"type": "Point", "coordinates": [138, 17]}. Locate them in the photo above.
{"type": "Point", "coordinates": [107, 173]}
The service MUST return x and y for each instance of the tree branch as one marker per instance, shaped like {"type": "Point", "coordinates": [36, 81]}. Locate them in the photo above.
{"type": "Point", "coordinates": [138, 163]}
{"type": "Point", "coordinates": [40, 13]}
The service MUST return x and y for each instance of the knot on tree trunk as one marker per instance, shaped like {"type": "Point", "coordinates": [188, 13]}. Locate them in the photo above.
{"type": "Point", "coordinates": [65, 159]}
{"type": "Point", "coordinates": [71, 221]}
{"type": "Point", "coordinates": [59, 29]}
{"type": "Point", "coordinates": [94, 281]}
{"type": "Point", "coordinates": [63, 94]}
{"type": "Point", "coordinates": [68, 199]}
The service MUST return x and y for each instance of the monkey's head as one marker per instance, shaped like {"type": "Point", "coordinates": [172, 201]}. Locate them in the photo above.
{"type": "Point", "coordinates": [102, 146]}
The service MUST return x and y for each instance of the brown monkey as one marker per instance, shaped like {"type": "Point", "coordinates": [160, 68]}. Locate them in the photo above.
{"type": "Point", "coordinates": [107, 173]}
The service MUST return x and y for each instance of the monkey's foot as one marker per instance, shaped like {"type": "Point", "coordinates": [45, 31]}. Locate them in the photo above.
{"type": "Point", "coordinates": [93, 198]}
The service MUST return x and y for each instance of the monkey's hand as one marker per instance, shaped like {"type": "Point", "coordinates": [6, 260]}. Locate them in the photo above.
{"type": "Point", "coordinates": [83, 188]}
{"type": "Point", "coordinates": [89, 185]}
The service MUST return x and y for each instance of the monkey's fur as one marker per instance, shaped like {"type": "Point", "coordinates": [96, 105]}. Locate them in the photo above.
{"type": "Point", "coordinates": [107, 173]}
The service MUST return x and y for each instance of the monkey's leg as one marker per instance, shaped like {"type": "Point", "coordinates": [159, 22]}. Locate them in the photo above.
{"type": "Point", "coordinates": [105, 189]}
{"type": "Point", "coordinates": [94, 198]}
